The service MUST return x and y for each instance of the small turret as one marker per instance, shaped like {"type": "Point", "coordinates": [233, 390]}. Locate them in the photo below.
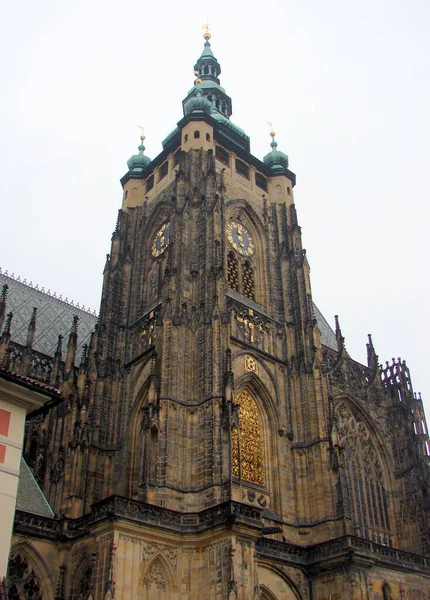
{"type": "Point", "coordinates": [277, 161]}
{"type": "Point", "coordinates": [139, 162]}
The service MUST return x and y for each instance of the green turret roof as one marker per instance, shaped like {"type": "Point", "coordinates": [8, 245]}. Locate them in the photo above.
{"type": "Point", "coordinates": [276, 160]}
{"type": "Point", "coordinates": [139, 162]}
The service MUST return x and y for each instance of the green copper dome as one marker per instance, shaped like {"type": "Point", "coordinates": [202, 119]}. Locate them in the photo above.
{"type": "Point", "coordinates": [197, 102]}
{"type": "Point", "coordinates": [139, 162]}
{"type": "Point", "coordinates": [276, 160]}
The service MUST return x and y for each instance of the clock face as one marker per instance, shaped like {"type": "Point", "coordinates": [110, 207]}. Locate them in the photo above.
{"type": "Point", "coordinates": [161, 240]}
{"type": "Point", "coordinates": [240, 239]}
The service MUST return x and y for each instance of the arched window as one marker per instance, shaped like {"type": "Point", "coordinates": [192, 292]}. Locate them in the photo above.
{"type": "Point", "coordinates": [22, 582]}
{"type": "Point", "coordinates": [386, 592]}
{"type": "Point", "coordinates": [85, 586]}
{"type": "Point", "coordinates": [362, 477]}
{"type": "Point", "coordinates": [197, 134]}
{"type": "Point", "coordinates": [232, 272]}
{"type": "Point", "coordinates": [247, 442]}
{"type": "Point", "coordinates": [248, 281]}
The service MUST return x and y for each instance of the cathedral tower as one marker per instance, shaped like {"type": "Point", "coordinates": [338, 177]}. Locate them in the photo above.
{"type": "Point", "coordinates": [216, 439]}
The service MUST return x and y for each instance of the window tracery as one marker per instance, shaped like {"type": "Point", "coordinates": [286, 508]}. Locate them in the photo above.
{"type": "Point", "coordinates": [247, 442]}
{"type": "Point", "coordinates": [22, 582]}
{"type": "Point", "coordinates": [362, 477]}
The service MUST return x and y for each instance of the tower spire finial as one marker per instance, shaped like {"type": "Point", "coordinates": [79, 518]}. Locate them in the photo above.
{"type": "Point", "coordinates": [272, 135]}
{"type": "Point", "coordinates": [206, 31]}
{"type": "Point", "coordinates": [139, 162]}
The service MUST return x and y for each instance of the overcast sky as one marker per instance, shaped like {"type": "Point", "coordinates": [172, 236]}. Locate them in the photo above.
{"type": "Point", "coordinates": [345, 83]}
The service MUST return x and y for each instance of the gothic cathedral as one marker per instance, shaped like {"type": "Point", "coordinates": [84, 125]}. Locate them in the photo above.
{"type": "Point", "coordinates": [214, 439]}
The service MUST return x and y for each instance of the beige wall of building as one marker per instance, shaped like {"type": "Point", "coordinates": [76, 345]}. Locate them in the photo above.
{"type": "Point", "coordinates": [15, 401]}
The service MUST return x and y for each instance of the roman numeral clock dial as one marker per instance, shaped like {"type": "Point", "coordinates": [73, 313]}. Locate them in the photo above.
{"type": "Point", "coordinates": [240, 239]}
{"type": "Point", "coordinates": [161, 241]}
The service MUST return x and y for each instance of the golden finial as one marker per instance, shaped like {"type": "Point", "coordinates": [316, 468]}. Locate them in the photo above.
{"type": "Point", "coordinates": [197, 75]}
{"type": "Point", "coordinates": [206, 33]}
{"type": "Point", "coordinates": [142, 137]}
{"type": "Point", "coordinates": [272, 133]}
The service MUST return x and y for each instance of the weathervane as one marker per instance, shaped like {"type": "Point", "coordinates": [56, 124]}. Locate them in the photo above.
{"type": "Point", "coordinates": [272, 133]}
{"type": "Point", "coordinates": [206, 31]}
{"type": "Point", "coordinates": [142, 137]}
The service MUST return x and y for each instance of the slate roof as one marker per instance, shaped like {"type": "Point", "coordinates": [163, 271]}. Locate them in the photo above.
{"type": "Point", "coordinates": [30, 497]}
{"type": "Point", "coordinates": [328, 336]}
{"type": "Point", "coordinates": [54, 317]}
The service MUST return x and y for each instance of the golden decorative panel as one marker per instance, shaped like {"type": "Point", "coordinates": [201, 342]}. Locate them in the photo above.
{"type": "Point", "coordinates": [232, 273]}
{"type": "Point", "coordinates": [247, 449]}
{"type": "Point", "coordinates": [248, 281]}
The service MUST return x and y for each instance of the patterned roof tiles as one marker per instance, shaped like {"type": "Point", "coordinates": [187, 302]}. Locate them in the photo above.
{"type": "Point", "coordinates": [54, 317]}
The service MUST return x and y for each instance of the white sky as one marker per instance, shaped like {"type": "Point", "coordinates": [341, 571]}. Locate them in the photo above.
{"type": "Point", "coordinates": [345, 83]}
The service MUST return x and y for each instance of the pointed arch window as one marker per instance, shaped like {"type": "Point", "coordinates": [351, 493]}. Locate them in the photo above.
{"type": "Point", "coordinates": [232, 272]}
{"type": "Point", "coordinates": [362, 477]}
{"type": "Point", "coordinates": [247, 441]}
{"type": "Point", "coordinates": [22, 582]}
{"type": "Point", "coordinates": [248, 281]}
{"type": "Point", "coordinates": [386, 592]}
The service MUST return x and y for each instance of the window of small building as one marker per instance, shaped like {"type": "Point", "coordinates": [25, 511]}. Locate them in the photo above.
{"type": "Point", "coordinates": [176, 157]}
{"type": "Point", "coordinates": [289, 191]}
{"type": "Point", "coordinates": [163, 170]}
{"type": "Point", "coordinates": [149, 183]}
{"type": "Point", "coordinates": [208, 137]}
{"type": "Point", "coordinates": [261, 181]}
{"type": "Point", "coordinates": [222, 155]}
{"type": "Point", "coordinates": [185, 138]}
{"type": "Point", "coordinates": [242, 168]}
{"type": "Point", "coordinates": [196, 134]}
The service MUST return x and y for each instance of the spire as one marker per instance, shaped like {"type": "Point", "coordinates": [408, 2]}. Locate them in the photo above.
{"type": "Point", "coordinates": [339, 337]}
{"type": "Point", "coordinates": [207, 67]}
{"type": "Point", "coordinates": [207, 70]}
{"type": "Point", "coordinates": [31, 329]}
{"type": "Point", "coordinates": [6, 330]}
{"type": "Point", "coordinates": [3, 297]}
{"type": "Point", "coordinates": [72, 344]}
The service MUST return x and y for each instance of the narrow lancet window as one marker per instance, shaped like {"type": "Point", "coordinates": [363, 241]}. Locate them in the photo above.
{"type": "Point", "coordinates": [232, 272]}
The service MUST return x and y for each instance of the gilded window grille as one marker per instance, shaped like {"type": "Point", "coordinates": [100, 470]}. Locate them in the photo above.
{"type": "Point", "coordinates": [247, 449]}
{"type": "Point", "coordinates": [248, 281]}
{"type": "Point", "coordinates": [232, 272]}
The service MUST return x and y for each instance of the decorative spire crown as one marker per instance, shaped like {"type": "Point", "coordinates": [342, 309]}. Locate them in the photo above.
{"type": "Point", "coordinates": [139, 162]}
{"type": "Point", "coordinates": [207, 85]}
{"type": "Point", "coordinates": [276, 160]}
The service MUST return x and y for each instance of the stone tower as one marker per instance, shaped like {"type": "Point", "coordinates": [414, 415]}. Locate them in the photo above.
{"type": "Point", "coordinates": [216, 439]}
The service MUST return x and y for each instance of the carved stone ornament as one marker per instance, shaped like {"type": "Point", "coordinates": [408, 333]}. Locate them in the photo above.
{"type": "Point", "coordinates": [250, 363]}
